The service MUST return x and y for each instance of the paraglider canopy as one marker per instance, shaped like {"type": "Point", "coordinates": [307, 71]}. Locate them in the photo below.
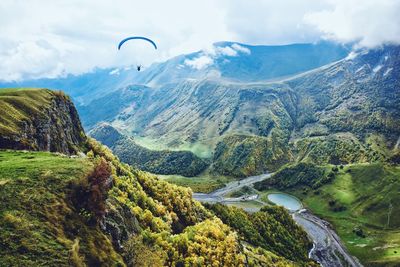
{"type": "Point", "coordinates": [134, 38]}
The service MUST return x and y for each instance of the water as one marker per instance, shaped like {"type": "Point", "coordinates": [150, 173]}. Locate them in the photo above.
{"type": "Point", "coordinates": [285, 200]}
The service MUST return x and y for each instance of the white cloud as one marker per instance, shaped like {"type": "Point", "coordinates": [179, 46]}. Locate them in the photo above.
{"type": "Point", "coordinates": [368, 22]}
{"type": "Point", "coordinates": [208, 56]}
{"type": "Point", "coordinates": [114, 72]}
{"type": "Point", "coordinates": [242, 49]}
{"type": "Point", "coordinates": [82, 35]}
{"type": "Point", "coordinates": [272, 22]}
{"type": "Point", "coordinates": [46, 38]}
{"type": "Point", "coordinates": [352, 55]}
{"type": "Point", "coordinates": [227, 51]}
{"type": "Point", "coordinates": [30, 59]}
{"type": "Point", "coordinates": [200, 62]}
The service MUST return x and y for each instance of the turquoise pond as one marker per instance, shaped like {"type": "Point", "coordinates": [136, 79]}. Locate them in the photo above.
{"type": "Point", "coordinates": [287, 201]}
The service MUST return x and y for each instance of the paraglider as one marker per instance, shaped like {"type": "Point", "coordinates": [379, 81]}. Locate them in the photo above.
{"type": "Point", "coordinates": [139, 67]}
{"type": "Point", "coordinates": [138, 38]}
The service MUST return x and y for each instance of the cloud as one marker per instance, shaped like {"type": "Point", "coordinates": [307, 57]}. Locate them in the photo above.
{"type": "Point", "coordinates": [227, 51]}
{"type": "Point", "coordinates": [199, 62]}
{"type": "Point", "coordinates": [209, 55]}
{"type": "Point", "coordinates": [370, 23]}
{"type": "Point", "coordinates": [31, 60]}
{"type": "Point", "coordinates": [83, 35]}
{"type": "Point", "coordinates": [242, 49]}
{"type": "Point", "coordinates": [46, 38]}
{"type": "Point", "coordinates": [272, 22]}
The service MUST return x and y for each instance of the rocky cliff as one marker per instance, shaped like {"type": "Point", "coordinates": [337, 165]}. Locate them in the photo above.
{"type": "Point", "coordinates": [39, 119]}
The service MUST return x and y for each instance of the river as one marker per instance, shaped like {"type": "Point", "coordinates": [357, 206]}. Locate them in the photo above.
{"type": "Point", "coordinates": [328, 250]}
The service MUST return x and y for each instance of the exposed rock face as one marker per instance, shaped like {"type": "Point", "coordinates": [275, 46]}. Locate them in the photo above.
{"type": "Point", "coordinates": [120, 223]}
{"type": "Point", "coordinates": [55, 128]}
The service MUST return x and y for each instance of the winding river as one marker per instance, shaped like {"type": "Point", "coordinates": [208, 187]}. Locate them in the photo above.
{"type": "Point", "coordinates": [328, 250]}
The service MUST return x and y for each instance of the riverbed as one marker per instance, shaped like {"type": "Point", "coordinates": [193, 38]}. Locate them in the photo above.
{"type": "Point", "coordinates": [328, 249]}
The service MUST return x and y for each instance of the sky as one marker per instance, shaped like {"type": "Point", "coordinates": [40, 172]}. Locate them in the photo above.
{"type": "Point", "coordinates": [47, 38]}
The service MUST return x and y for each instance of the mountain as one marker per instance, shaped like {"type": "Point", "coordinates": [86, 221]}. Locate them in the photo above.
{"type": "Point", "coordinates": [155, 161]}
{"type": "Point", "coordinates": [244, 63]}
{"type": "Point", "coordinates": [92, 210]}
{"type": "Point", "coordinates": [342, 112]}
{"type": "Point", "coordinates": [249, 109]}
{"type": "Point", "coordinates": [223, 59]}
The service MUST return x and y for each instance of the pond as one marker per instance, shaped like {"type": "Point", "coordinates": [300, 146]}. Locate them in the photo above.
{"type": "Point", "coordinates": [287, 201]}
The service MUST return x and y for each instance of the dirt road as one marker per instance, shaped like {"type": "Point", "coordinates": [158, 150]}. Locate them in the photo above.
{"type": "Point", "coordinates": [328, 250]}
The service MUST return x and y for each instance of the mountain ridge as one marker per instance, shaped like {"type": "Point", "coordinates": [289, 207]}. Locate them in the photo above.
{"type": "Point", "coordinates": [203, 112]}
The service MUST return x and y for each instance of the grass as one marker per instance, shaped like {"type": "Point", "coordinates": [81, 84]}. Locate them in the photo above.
{"type": "Point", "coordinates": [17, 105]}
{"type": "Point", "coordinates": [201, 184]}
{"type": "Point", "coordinates": [369, 193]}
{"type": "Point", "coordinates": [246, 205]}
{"type": "Point", "coordinates": [39, 226]}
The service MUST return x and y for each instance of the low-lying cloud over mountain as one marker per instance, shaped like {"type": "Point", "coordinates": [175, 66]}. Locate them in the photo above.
{"type": "Point", "coordinates": [48, 39]}
{"type": "Point", "coordinates": [207, 56]}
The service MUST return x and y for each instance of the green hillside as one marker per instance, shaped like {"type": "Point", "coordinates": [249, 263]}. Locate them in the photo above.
{"type": "Point", "coordinates": [43, 224]}
{"type": "Point", "coordinates": [92, 210]}
{"type": "Point", "coordinates": [241, 156]}
{"type": "Point", "coordinates": [359, 200]}
{"type": "Point", "coordinates": [155, 161]}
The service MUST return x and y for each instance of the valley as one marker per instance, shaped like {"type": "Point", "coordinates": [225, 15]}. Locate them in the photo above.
{"type": "Point", "coordinates": [86, 208]}
{"type": "Point", "coordinates": [244, 128]}
{"type": "Point", "coordinates": [200, 133]}
{"type": "Point", "coordinates": [355, 199]}
{"type": "Point", "coordinates": [326, 134]}
{"type": "Point", "coordinates": [328, 249]}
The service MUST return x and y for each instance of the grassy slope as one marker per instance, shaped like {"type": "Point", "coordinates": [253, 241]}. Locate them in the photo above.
{"type": "Point", "coordinates": [367, 191]}
{"type": "Point", "coordinates": [38, 225]}
{"type": "Point", "coordinates": [20, 104]}
{"type": "Point", "coordinates": [41, 227]}
{"type": "Point", "coordinates": [203, 183]}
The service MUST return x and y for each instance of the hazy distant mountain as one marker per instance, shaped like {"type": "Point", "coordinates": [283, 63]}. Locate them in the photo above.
{"type": "Point", "coordinates": [341, 112]}
{"type": "Point", "coordinates": [85, 87]}
{"type": "Point", "coordinates": [225, 59]}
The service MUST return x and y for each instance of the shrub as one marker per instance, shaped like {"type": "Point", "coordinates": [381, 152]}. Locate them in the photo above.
{"type": "Point", "coordinates": [136, 252]}
{"type": "Point", "coordinates": [99, 183]}
{"type": "Point", "coordinates": [359, 232]}
{"type": "Point", "coordinates": [90, 193]}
